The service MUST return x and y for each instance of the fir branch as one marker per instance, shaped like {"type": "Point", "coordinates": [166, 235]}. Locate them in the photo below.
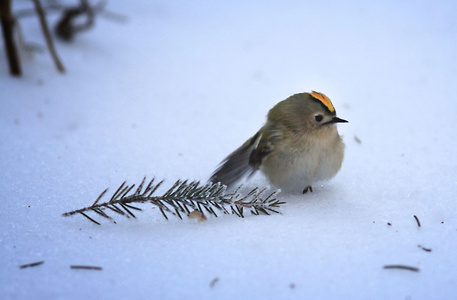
{"type": "Point", "coordinates": [183, 198]}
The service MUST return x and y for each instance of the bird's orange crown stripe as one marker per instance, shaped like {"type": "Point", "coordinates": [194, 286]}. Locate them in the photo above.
{"type": "Point", "coordinates": [324, 99]}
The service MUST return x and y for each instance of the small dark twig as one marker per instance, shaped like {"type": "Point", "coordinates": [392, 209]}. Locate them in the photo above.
{"type": "Point", "coordinates": [402, 267]}
{"type": "Point", "coordinates": [47, 36]}
{"type": "Point", "coordinates": [31, 264]}
{"type": "Point", "coordinates": [417, 220]}
{"type": "Point", "coordinates": [79, 267]}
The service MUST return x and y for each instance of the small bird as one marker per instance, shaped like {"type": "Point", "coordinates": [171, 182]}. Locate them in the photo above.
{"type": "Point", "coordinates": [298, 145]}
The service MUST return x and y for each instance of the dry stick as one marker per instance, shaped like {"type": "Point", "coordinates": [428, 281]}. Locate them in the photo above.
{"type": "Point", "coordinates": [47, 35]}
{"type": "Point", "coordinates": [417, 220]}
{"type": "Point", "coordinates": [7, 20]}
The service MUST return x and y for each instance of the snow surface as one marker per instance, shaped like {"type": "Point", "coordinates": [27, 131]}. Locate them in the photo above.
{"type": "Point", "coordinates": [178, 86]}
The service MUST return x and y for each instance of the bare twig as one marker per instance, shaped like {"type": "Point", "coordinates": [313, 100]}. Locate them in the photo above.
{"type": "Point", "coordinates": [417, 220]}
{"type": "Point", "coordinates": [47, 36]}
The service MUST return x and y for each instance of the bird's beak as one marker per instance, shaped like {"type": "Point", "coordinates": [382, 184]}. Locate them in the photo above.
{"type": "Point", "coordinates": [335, 120]}
{"type": "Point", "coordinates": [338, 120]}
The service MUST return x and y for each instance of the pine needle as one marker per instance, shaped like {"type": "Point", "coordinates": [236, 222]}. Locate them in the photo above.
{"type": "Point", "coordinates": [90, 218]}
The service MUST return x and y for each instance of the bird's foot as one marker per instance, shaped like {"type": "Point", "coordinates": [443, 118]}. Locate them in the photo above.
{"type": "Point", "coordinates": [308, 188]}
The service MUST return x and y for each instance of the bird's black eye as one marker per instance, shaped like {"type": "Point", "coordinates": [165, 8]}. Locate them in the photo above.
{"type": "Point", "coordinates": [319, 118]}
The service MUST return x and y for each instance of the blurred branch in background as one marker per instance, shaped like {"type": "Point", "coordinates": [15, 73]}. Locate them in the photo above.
{"type": "Point", "coordinates": [67, 27]}
{"type": "Point", "coordinates": [47, 36]}
{"type": "Point", "coordinates": [7, 21]}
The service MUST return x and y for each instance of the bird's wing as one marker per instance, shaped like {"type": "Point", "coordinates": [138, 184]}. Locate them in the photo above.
{"type": "Point", "coordinates": [264, 147]}
{"type": "Point", "coordinates": [236, 165]}
{"type": "Point", "coordinates": [245, 160]}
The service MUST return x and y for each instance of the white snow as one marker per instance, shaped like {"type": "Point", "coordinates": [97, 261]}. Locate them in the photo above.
{"type": "Point", "coordinates": [177, 87]}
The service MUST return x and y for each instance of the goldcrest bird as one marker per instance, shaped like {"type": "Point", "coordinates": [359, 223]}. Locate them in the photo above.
{"type": "Point", "coordinates": [298, 145]}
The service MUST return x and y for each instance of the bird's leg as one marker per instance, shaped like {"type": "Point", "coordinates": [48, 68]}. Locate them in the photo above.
{"type": "Point", "coordinates": [308, 188]}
